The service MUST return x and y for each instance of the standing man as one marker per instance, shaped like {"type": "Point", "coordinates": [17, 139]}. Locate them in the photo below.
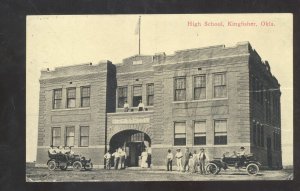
{"type": "Point", "coordinates": [195, 158]}
{"type": "Point", "coordinates": [149, 151]}
{"type": "Point", "coordinates": [202, 158]}
{"type": "Point", "coordinates": [117, 159]}
{"type": "Point", "coordinates": [178, 157]}
{"type": "Point", "coordinates": [123, 157]}
{"type": "Point", "coordinates": [107, 157]}
{"type": "Point", "coordinates": [169, 160]}
{"type": "Point", "coordinates": [186, 158]}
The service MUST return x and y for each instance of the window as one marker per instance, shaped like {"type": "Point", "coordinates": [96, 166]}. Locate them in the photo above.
{"type": "Point", "coordinates": [137, 95]}
{"type": "Point", "coordinates": [122, 96]}
{"type": "Point", "coordinates": [84, 136]}
{"type": "Point", "coordinates": [220, 85]}
{"type": "Point", "coordinates": [200, 133]}
{"type": "Point", "coordinates": [150, 94]}
{"type": "Point", "coordinates": [71, 97]}
{"type": "Point", "coordinates": [220, 132]}
{"type": "Point", "coordinates": [85, 96]}
{"type": "Point", "coordinates": [179, 133]}
{"type": "Point", "coordinates": [57, 99]}
{"type": "Point", "coordinates": [254, 133]}
{"type": "Point", "coordinates": [180, 89]}
{"type": "Point", "coordinates": [70, 136]}
{"type": "Point", "coordinates": [199, 87]}
{"type": "Point", "coordinates": [56, 136]}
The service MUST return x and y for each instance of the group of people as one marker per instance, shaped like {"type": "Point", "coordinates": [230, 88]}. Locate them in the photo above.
{"type": "Point", "coordinates": [60, 150]}
{"type": "Point", "coordinates": [188, 162]}
{"type": "Point", "coordinates": [119, 159]}
{"type": "Point", "coordinates": [141, 106]}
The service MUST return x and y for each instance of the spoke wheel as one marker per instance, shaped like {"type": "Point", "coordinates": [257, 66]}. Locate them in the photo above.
{"type": "Point", "coordinates": [51, 165]}
{"type": "Point", "coordinates": [252, 169]}
{"type": "Point", "coordinates": [77, 165]}
{"type": "Point", "coordinates": [212, 168]}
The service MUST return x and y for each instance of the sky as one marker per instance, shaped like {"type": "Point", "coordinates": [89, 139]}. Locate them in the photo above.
{"type": "Point", "coordinates": [61, 40]}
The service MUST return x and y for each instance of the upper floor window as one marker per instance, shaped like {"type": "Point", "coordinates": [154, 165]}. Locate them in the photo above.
{"type": "Point", "coordinates": [57, 99]}
{"type": "Point", "coordinates": [71, 97]}
{"type": "Point", "coordinates": [180, 89]}
{"type": "Point", "coordinates": [84, 136]}
{"type": "Point", "coordinates": [179, 133]}
{"type": "Point", "coordinates": [220, 132]}
{"type": "Point", "coordinates": [219, 81]}
{"type": "Point", "coordinates": [199, 87]}
{"type": "Point", "coordinates": [122, 96]}
{"type": "Point", "coordinates": [200, 133]}
{"type": "Point", "coordinates": [70, 136]}
{"type": "Point", "coordinates": [85, 96]}
{"type": "Point", "coordinates": [137, 95]}
{"type": "Point", "coordinates": [56, 136]}
{"type": "Point", "coordinates": [150, 94]}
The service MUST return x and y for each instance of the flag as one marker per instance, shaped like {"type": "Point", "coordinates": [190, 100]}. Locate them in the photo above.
{"type": "Point", "coordinates": [138, 25]}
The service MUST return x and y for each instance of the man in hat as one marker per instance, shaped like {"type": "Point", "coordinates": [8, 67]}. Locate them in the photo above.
{"type": "Point", "coordinates": [241, 155]}
{"type": "Point", "coordinates": [178, 157]}
{"type": "Point", "coordinates": [169, 160]}
{"type": "Point", "coordinates": [202, 158]}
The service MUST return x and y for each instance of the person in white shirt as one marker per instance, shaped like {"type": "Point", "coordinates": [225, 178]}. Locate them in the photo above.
{"type": "Point", "coordinates": [144, 157]}
{"type": "Point", "coordinates": [116, 156]}
{"type": "Point", "coordinates": [52, 151]}
{"type": "Point", "coordinates": [126, 107]}
{"type": "Point", "coordinates": [196, 159]}
{"type": "Point", "coordinates": [202, 159]}
{"type": "Point", "coordinates": [178, 157]}
{"type": "Point", "coordinates": [107, 157]}
{"type": "Point", "coordinates": [141, 106]}
{"type": "Point", "coordinates": [169, 160]}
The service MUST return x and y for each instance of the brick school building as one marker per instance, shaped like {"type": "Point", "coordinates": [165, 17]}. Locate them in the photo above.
{"type": "Point", "coordinates": [218, 98]}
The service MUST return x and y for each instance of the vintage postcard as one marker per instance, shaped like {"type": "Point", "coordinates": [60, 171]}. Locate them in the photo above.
{"type": "Point", "coordinates": [181, 97]}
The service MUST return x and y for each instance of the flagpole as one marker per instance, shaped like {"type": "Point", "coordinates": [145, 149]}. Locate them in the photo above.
{"type": "Point", "coordinates": [140, 35]}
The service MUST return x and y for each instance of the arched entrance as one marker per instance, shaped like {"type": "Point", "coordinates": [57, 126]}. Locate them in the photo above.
{"type": "Point", "coordinates": [133, 141]}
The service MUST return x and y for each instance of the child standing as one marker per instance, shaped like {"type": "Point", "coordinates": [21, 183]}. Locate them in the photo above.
{"type": "Point", "coordinates": [107, 158]}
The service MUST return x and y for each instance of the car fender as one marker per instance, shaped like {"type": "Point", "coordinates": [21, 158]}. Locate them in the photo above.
{"type": "Point", "coordinates": [255, 162]}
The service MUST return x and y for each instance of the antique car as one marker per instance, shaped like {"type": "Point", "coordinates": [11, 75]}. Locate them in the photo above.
{"type": "Point", "coordinates": [63, 161]}
{"type": "Point", "coordinates": [247, 162]}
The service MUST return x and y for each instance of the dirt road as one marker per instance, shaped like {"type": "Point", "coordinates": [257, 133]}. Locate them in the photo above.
{"type": "Point", "coordinates": [34, 174]}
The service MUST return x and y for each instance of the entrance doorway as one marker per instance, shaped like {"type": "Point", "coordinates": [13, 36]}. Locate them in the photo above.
{"type": "Point", "coordinates": [134, 142]}
{"type": "Point", "coordinates": [269, 152]}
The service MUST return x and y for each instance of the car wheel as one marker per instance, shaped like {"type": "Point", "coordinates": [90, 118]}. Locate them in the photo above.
{"type": "Point", "coordinates": [77, 165]}
{"type": "Point", "coordinates": [252, 169]}
{"type": "Point", "coordinates": [212, 168]}
{"type": "Point", "coordinates": [51, 165]}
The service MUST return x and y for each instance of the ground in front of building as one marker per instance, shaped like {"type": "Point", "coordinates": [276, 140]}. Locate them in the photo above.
{"type": "Point", "coordinates": [34, 174]}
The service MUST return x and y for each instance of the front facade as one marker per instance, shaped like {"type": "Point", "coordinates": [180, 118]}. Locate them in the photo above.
{"type": "Point", "coordinates": [219, 98]}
